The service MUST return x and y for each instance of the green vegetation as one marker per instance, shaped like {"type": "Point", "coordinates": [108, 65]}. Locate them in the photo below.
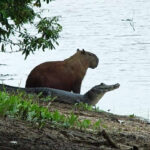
{"type": "Point", "coordinates": [132, 116]}
{"type": "Point", "coordinates": [16, 106]}
{"type": "Point", "coordinates": [85, 106]}
{"type": "Point", "coordinates": [17, 17]}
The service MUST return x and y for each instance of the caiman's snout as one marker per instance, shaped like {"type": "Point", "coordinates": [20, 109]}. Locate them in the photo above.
{"type": "Point", "coordinates": [105, 88]}
{"type": "Point", "coordinates": [112, 87]}
{"type": "Point", "coordinates": [117, 85]}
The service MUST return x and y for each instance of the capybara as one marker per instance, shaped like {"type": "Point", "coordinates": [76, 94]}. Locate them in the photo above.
{"type": "Point", "coordinates": [64, 75]}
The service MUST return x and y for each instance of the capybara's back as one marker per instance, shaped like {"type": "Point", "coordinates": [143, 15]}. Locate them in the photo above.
{"type": "Point", "coordinates": [50, 74]}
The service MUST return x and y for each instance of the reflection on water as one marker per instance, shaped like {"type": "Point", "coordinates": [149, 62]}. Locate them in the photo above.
{"type": "Point", "coordinates": [3, 65]}
{"type": "Point", "coordinates": [98, 26]}
{"type": "Point", "coordinates": [5, 77]}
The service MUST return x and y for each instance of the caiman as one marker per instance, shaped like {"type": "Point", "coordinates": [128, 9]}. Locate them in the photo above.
{"type": "Point", "coordinates": [91, 97]}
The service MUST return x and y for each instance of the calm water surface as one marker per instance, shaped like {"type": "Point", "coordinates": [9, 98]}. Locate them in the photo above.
{"type": "Point", "coordinates": [118, 32]}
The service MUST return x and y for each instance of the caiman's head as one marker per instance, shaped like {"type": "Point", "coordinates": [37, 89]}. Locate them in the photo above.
{"type": "Point", "coordinates": [97, 92]}
{"type": "Point", "coordinates": [103, 88]}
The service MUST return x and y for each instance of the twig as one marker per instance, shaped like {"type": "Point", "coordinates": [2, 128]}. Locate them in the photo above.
{"type": "Point", "coordinates": [110, 141]}
{"type": "Point", "coordinates": [6, 148]}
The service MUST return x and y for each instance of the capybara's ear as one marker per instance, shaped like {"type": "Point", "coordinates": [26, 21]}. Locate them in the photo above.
{"type": "Point", "coordinates": [83, 51]}
{"type": "Point", "coordinates": [78, 50]}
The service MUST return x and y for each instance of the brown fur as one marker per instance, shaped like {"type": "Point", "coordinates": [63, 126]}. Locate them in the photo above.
{"type": "Point", "coordinates": [65, 75]}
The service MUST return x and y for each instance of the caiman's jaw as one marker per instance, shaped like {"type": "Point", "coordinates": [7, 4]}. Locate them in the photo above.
{"type": "Point", "coordinates": [97, 92]}
{"type": "Point", "coordinates": [103, 88]}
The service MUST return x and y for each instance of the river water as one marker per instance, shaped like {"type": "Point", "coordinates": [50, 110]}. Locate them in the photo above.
{"type": "Point", "coordinates": [118, 32]}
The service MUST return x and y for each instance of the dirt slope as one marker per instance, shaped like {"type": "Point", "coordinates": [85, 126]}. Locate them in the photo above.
{"type": "Point", "coordinates": [116, 132]}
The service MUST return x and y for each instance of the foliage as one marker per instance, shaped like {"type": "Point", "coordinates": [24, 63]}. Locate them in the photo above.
{"type": "Point", "coordinates": [16, 106]}
{"type": "Point", "coordinates": [83, 106]}
{"type": "Point", "coordinates": [84, 124]}
{"type": "Point", "coordinates": [16, 17]}
{"type": "Point", "coordinates": [97, 109]}
{"type": "Point", "coordinates": [132, 116]}
{"type": "Point", "coordinates": [71, 121]}
{"type": "Point", "coordinates": [96, 125]}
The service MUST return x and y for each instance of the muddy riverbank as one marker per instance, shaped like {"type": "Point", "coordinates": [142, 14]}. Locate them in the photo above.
{"type": "Point", "coordinates": [115, 132]}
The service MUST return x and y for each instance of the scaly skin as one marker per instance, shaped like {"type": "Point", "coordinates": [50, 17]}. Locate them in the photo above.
{"type": "Point", "coordinates": [91, 97]}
